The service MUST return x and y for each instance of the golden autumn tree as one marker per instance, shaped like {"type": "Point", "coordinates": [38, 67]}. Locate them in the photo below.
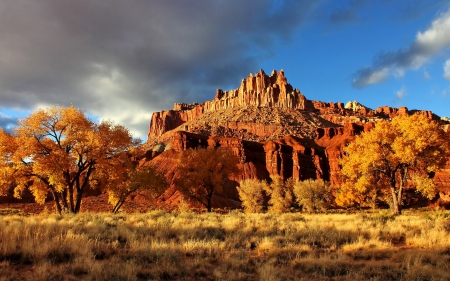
{"type": "Point", "coordinates": [280, 192]}
{"type": "Point", "coordinates": [59, 150]}
{"type": "Point", "coordinates": [203, 172]}
{"type": "Point", "coordinates": [251, 193]}
{"type": "Point", "coordinates": [135, 178]}
{"type": "Point", "coordinates": [383, 161]}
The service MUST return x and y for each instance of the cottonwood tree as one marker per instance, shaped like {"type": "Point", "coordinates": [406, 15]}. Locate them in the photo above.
{"type": "Point", "coordinates": [313, 195]}
{"type": "Point", "coordinates": [280, 193]}
{"type": "Point", "coordinates": [393, 155]}
{"type": "Point", "coordinates": [203, 172]}
{"type": "Point", "coordinates": [135, 178]}
{"type": "Point", "coordinates": [61, 151]}
{"type": "Point", "coordinates": [251, 193]}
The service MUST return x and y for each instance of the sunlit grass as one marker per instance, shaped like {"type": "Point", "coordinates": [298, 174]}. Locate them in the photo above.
{"type": "Point", "coordinates": [187, 246]}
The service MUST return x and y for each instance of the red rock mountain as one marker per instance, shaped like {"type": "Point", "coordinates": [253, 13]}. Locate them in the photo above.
{"type": "Point", "coordinates": [271, 126]}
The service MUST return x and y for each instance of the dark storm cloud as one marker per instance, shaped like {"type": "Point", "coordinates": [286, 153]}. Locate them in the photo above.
{"type": "Point", "coordinates": [124, 59]}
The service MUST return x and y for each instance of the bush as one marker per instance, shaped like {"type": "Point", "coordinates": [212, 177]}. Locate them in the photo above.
{"type": "Point", "coordinates": [251, 193]}
{"type": "Point", "coordinates": [313, 195]}
{"type": "Point", "coordinates": [280, 193]}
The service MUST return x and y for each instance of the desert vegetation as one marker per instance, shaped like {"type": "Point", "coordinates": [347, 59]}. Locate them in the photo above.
{"type": "Point", "coordinates": [203, 172]}
{"type": "Point", "coordinates": [60, 151]}
{"type": "Point", "coordinates": [281, 196]}
{"type": "Point", "coordinates": [381, 163]}
{"type": "Point", "coordinates": [288, 229]}
{"type": "Point", "coordinates": [183, 245]}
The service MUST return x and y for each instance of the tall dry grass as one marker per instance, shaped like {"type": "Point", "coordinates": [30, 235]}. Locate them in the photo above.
{"type": "Point", "coordinates": [210, 246]}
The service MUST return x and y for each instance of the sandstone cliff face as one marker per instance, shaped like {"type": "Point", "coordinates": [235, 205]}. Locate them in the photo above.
{"type": "Point", "coordinates": [276, 95]}
{"type": "Point", "coordinates": [273, 129]}
{"type": "Point", "coordinates": [258, 90]}
{"type": "Point", "coordinates": [288, 157]}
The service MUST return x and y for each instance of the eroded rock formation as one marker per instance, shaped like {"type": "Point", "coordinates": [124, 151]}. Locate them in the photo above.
{"type": "Point", "coordinates": [273, 129]}
{"type": "Point", "coordinates": [259, 90]}
{"type": "Point", "coordinates": [260, 106]}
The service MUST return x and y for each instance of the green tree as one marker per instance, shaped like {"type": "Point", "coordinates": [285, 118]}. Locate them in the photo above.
{"type": "Point", "coordinates": [203, 172]}
{"type": "Point", "coordinates": [251, 193]}
{"type": "Point", "coordinates": [381, 162]}
{"type": "Point", "coordinates": [313, 195]}
{"type": "Point", "coordinates": [59, 150]}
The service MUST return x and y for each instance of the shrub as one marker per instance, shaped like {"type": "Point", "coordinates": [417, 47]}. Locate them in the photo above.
{"type": "Point", "coordinates": [251, 193]}
{"type": "Point", "coordinates": [313, 195]}
{"type": "Point", "coordinates": [280, 193]}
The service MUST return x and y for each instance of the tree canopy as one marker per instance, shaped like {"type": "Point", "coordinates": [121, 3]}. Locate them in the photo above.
{"type": "Point", "coordinates": [382, 162]}
{"type": "Point", "coordinates": [203, 172]}
{"type": "Point", "coordinates": [144, 178]}
{"type": "Point", "coordinates": [60, 150]}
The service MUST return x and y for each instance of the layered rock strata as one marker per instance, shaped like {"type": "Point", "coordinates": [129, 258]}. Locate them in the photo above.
{"type": "Point", "coordinates": [263, 91]}
{"type": "Point", "coordinates": [273, 129]}
{"type": "Point", "coordinates": [258, 90]}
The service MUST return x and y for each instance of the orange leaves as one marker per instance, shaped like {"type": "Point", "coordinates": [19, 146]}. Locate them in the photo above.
{"type": "Point", "coordinates": [135, 178]}
{"type": "Point", "coordinates": [203, 172]}
{"type": "Point", "coordinates": [60, 149]}
{"type": "Point", "coordinates": [391, 154]}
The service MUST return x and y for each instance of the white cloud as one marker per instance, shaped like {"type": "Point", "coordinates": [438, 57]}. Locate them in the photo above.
{"type": "Point", "coordinates": [436, 37]}
{"type": "Point", "coordinates": [447, 69]}
{"type": "Point", "coordinates": [399, 73]}
{"type": "Point", "coordinates": [373, 77]}
{"type": "Point", "coordinates": [426, 75]}
{"type": "Point", "coordinates": [426, 45]}
{"type": "Point", "coordinates": [401, 93]}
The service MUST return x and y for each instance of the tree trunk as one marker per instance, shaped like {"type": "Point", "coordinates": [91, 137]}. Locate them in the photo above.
{"type": "Point", "coordinates": [395, 200]}
{"type": "Point", "coordinates": [78, 202]}
{"type": "Point", "coordinates": [82, 187]}
{"type": "Point", "coordinates": [72, 209]}
{"type": "Point", "coordinates": [55, 198]}
{"type": "Point", "coordinates": [395, 203]}
{"type": "Point", "coordinates": [403, 173]}
{"type": "Point", "coordinates": [118, 205]}
{"type": "Point", "coordinates": [209, 206]}
{"type": "Point", "coordinates": [396, 208]}
{"type": "Point", "coordinates": [209, 199]}
{"type": "Point", "coordinates": [64, 200]}
{"type": "Point", "coordinates": [68, 206]}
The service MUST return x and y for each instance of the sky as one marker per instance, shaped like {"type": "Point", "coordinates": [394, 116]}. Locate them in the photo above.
{"type": "Point", "coordinates": [123, 60]}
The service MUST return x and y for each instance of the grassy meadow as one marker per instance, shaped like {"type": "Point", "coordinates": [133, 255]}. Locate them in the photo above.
{"type": "Point", "coordinates": [160, 245]}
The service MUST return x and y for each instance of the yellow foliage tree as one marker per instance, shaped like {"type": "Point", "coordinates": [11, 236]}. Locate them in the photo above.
{"type": "Point", "coordinates": [60, 150]}
{"type": "Point", "coordinates": [203, 172]}
{"type": "Point", "coordinates": [251, 193]}
{"type": "Point", "coordinates": [280, 193]}
{"type": "Point", "coordinates": [381, 162]}
{"type": "Point", "coordinates": [313, 195]}
{"type": "Point", "coordinates": [135, 178]}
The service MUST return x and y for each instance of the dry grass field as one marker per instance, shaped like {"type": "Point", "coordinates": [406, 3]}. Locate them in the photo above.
{"type": "Point", "coordinates": [159, 245]}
